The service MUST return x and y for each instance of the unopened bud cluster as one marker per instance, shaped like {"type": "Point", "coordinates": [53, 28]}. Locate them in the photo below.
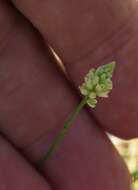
{"type": "Point", "coordinates": [98, 83]}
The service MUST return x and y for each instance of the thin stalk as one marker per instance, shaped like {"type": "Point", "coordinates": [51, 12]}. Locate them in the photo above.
{"type": "Point", "coordinates": [59, 138]}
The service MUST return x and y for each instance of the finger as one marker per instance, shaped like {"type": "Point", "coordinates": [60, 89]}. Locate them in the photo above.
{"type": "Point", "coordinates": [31, 87]}
{"type": "Point", "coordinates": [16, 173]}
{"type": "Point", "coordinates": [7, 18]}
{"type": "Point", "coordinates": [90, 33]}
{"type": "Point", "coordinates": [34, 98]}
{"type": "Point", "coordinates": [69, 27]}
{"type": "Point", "coordinates": [85, 159]}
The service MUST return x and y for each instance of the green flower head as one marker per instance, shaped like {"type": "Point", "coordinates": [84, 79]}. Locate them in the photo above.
{"type": "Point", "coordinates": [98, 83]}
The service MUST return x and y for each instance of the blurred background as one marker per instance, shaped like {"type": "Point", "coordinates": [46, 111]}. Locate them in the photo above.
{"type": "Point", "coordinates": [129, 151]}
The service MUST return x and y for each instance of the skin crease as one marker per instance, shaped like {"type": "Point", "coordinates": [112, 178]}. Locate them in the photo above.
{"type": "Point", "coordinates": [34, 98]}
{"type": "Point", "coordinates": [16, 173]}
{"type": "Point", "coordinates": [91, 34]}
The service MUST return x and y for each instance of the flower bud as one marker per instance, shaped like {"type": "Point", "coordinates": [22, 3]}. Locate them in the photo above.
{"type": "Point", "coordinates": [98, 83]}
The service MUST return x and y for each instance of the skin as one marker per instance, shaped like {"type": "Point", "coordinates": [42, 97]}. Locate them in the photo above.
{"type": "Point", "coordinates": [16, 173]}
{"type": "Point", "coordinates": [89, 34]}
{"type": "Point", "coordinates": [36, 99]}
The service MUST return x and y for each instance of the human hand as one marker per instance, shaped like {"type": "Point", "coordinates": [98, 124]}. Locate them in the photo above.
{"type": "Point", "coordinates": [90, 33]}
{"type": "Point", "coordinates": [35, 98]}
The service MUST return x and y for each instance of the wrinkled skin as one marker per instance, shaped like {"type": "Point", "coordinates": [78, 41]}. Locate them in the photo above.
{"type": "Point", "coordinates": [92, 33]}
{"type": "Point", "coordinates": [35, 97]}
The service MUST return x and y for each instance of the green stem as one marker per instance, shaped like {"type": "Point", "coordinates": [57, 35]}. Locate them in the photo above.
{"type": "Point", "coordinates": [64, 130]}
